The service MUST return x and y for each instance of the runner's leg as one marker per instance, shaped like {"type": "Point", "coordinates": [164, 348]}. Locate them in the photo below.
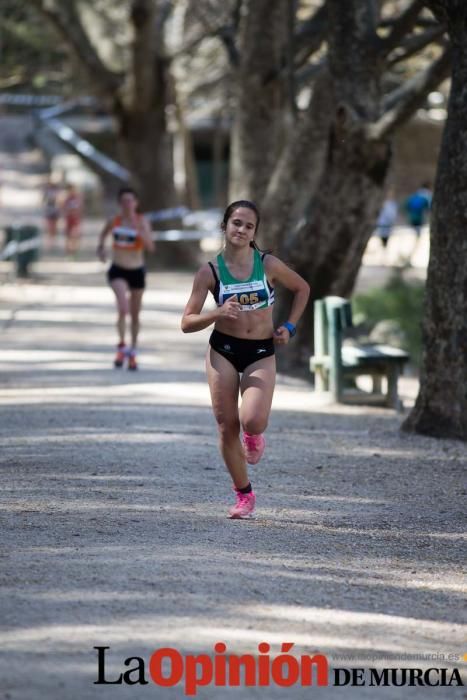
{"type": "Point", "coordinates": [136, 297]}
{"type": "Point", "coordinates": [120, 289]}
{"type": "Point", "coordinates": [257, 389]}
{"type": "Point", "coordinates": [224, 383]}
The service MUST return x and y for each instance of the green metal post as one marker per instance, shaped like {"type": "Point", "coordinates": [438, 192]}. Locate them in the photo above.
{"type": "Point", "coordinates": [335, 354]}
{"type": "Point", "coordinates": [320, 345]}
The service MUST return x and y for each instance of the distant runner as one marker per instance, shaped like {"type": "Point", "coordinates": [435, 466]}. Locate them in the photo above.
{"type": "Point", "coordinates": [131, 235]}
{"type": "Point", "coordinates": [418, 207]}
{"type": "Point", "coordinates": [51, 211]}
{"type": "Point", "coordinates": [72, 211]}
{"type": "Point", "coordinates": [387, 217]}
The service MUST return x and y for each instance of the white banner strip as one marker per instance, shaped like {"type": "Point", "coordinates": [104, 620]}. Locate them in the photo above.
{"type": "Point", "coordinates": [14, 247]}
{"type": "Point", "coordinates": [175, 235]}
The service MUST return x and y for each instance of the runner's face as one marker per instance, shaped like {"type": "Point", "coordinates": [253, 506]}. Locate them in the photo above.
{"type": "Point", "coordinates": [241, 227]}
{"type": "Point", "coordinates": [128, 203]}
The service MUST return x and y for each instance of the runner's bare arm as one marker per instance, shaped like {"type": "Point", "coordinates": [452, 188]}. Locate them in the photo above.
{"type": "Point", "coordinates": [193, 320]}
{"type": "Point", "coordinates": [103, 235]}
{"type": "Point", "coordinates": [146, 235]}
{"type": "Point", "coordinates": [277, 271]}
{"type": "Point", "coordinates": [105, 232]}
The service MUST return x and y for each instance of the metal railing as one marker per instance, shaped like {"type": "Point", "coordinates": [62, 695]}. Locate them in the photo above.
{"type": "Point", "coordinates": [87, 150]}
{"type": "Point", "coordinates": [13, 248]}
{"type": "Point", "coordinates": [22, 100]}
{"type": "Point", "coordinates": [84, 148]}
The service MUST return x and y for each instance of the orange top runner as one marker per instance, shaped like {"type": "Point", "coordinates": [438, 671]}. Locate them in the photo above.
{"type": "Point", "coordinates": [126, 237]}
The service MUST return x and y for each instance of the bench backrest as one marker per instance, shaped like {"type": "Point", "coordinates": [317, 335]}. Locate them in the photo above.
{"type": "Point", "coordinates": [332, 315]}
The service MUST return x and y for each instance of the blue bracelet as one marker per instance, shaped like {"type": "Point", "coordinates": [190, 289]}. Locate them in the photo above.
{"type": "Point", "coordinates": [290, 327]}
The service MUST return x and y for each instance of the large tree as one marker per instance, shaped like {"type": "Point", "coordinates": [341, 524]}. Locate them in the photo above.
{"type": "Point", "coordinates": [333, 155]}
{"type": "Point", "coordinates": [441, 406]}
{"type": "Point", "coordinates": [122, 52]}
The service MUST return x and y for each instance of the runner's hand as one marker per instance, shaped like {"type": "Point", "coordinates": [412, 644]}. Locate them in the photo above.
{"type": "Point", "coordinates": [281, 336]}
{"type": "Point", "coordinates": [230, 309]}
{"type": "Point", "coordinates": [101, 253]}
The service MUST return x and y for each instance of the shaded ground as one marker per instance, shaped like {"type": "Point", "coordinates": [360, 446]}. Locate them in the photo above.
{"type": "Point", "coordinates": [114, 501]}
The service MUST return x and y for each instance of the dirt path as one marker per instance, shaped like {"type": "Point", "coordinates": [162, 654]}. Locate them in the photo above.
{"type": "Point", "coordinates": [113, 527]}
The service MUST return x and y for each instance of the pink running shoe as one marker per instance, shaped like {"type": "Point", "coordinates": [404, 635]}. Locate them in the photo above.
{"type": "Point", "coordinates": [244, 507]}
{"type": "Point", "coordinates": [120, 356]}
{"type": "Point", "coordinates": [132, 364]}
{"type": "Point", "coordinates": [253, 446]}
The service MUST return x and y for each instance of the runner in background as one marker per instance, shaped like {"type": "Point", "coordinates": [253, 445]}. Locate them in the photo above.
{"type": "Point", "coordinates": [387, 217]}
{"type": "Point", "coordinates": [72, 212]}
{"type": "Point", "coordinates": [418, 207]}
{"type": "Point", "coordinates": [131, 235]}
{"type": "Point", "coordinates": [51, 211]}
{"type": "Point", "coordinates": [240, 358]}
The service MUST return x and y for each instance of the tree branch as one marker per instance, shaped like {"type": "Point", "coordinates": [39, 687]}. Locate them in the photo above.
{"type": "Point", "coordinates": [403, 102]}
{"type": "Point", "coordinates": [310, 35]}
{"type": "Point", "coordinates": [402, 26]}
{"type": "Point", "coordinates": [310, 72]}
{"type": "Point", "coordinates": [227, 35]}
{"type": "Point", "coordinates": [192, 43]}
{"type": "Point", "coordinates": [143, 18]}
{"type": "Point", "coordinates": [416, 43]}
{"type": "Point", "coordinates": [223, 28]}
{"type": "Point", "coordinates": [438, 9]}
{"type": "Point", "coordinates": [68, 23]}
{"type": "Point", "coordinates": [421, 22]}
{"type": "Point", "coordinates": [226, 32]}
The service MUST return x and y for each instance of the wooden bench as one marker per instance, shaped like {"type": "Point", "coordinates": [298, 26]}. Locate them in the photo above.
{"type": "Point", "coordinates": [333, 363]}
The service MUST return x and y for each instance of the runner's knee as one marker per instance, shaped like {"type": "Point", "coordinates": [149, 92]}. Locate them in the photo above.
{"type": "Point", "coordinates": [228, 429]}
{"type": "Point", "coordinates": [254, 425]}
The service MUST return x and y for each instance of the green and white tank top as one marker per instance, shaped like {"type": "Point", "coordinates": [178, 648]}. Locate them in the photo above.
{"type": "Point", "coordinates": [253, 293]}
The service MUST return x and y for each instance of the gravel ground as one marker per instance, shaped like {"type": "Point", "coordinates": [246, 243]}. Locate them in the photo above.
{"type": "Point", "coordinates": [114, 528]}
{"type": "Point", "coordinates": [114, 500]}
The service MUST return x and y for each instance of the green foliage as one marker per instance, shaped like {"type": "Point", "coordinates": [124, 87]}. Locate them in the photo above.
{"type": "Point", "coordinates": [33, 56]}
{"type": "Point", "coordinates": [400, 301]}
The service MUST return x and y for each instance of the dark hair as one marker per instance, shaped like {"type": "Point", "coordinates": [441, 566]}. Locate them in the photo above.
{"type": "Point", "coordinates": [245, 204]}
{"type": "Point", "coordinates": [126, 190]}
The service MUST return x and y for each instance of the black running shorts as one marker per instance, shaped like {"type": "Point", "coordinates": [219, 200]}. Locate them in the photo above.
{"type": "Point", "coordinates": [241, 352]}
{"type": "Point", "coordinates": [136, 279]}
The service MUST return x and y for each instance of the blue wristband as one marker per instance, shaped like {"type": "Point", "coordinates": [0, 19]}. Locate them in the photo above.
{"type": "Point", "coordinates": [290, 327]}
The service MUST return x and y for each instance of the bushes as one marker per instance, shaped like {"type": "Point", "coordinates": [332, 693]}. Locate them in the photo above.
{"type": "Point", "coordinates": [398, 301]}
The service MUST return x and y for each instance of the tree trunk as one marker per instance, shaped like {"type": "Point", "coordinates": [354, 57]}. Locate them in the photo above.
{"type": "Point", "coordinates": [297, 171]}
{"type": "Point", "coordinates": [146, 149]}
{"type": "Point", "coordinates": [185, 176]}
{"type": "Point", "coordinates": [258, 123]}
{"type": "Point", "coordinates": [343, 216]}
{"type": "Point", "coordinates": [328, 251]}
{"type": "Point", "coordinates": [441, 406]}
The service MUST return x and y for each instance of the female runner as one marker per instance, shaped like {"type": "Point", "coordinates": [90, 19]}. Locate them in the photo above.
{"type": "Point", "coordinates": [241, 353]}
{"type": "Point", "coordinates": [131, 235]}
